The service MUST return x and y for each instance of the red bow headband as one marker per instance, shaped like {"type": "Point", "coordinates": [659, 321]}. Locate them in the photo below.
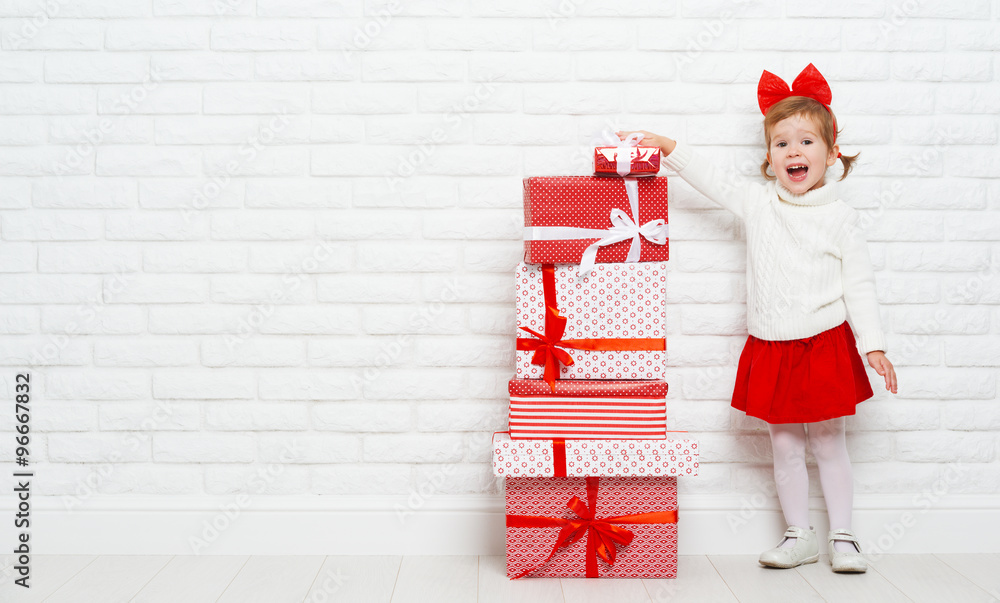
{"type": "Point", "coordinates": [809, 83]}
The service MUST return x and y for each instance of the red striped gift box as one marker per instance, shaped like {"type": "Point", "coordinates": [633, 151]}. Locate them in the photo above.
{"type": "Point", "coordinates": [587, 409]}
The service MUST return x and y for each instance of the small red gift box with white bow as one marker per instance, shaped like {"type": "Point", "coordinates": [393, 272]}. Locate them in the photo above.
{"type": "Point", "coordinates": [628, 158]}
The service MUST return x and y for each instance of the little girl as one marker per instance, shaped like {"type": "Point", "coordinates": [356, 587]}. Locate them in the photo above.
{"type": "Point", "coordinates": [807, 267]}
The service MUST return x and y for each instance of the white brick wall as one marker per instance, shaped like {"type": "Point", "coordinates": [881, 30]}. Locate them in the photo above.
{"type": "Point", "coordinates": [247, 232]}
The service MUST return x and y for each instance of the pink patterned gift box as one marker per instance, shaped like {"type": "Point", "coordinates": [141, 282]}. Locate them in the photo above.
{"type": "Point", "coordinates": [619, 306]}
{"type": "Point", "coordinates": [635, 517]}
{"type": "Point", "coordinates": [549, 458]}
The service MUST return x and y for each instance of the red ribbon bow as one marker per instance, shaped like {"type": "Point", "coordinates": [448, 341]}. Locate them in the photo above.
{"type": "Point", "coordinates": [602, 536]}
{"type": "Point", "coordinates": [809, 83]}
{"type": "Point", "coordinates": [547, 347]}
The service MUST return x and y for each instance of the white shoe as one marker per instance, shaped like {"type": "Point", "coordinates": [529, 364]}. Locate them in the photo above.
{"type": "Point", "coordinates": [806, 549]}
{"type": "Point", "coordinates": [849, 561]}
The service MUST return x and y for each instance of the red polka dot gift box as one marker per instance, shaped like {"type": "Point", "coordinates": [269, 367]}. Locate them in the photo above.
{"type": "Point", "coordinates": [608, 325]}
{"type": "Point", "coordinates": [598, 523]}
{"type": "Point", "coordinates": [587, 409]}
{"type": "Point", "coordinates": [590, 219]}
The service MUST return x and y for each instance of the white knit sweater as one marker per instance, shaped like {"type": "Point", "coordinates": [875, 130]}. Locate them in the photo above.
{"type": "Point", "coordinates": [807, 258]}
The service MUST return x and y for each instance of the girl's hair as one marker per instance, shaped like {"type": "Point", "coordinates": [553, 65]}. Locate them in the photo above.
{"type": "Point", "coordinates": [812, 109]}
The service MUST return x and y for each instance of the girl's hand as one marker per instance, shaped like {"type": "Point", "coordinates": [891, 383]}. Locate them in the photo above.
{"type": "Point", "coordinates": [651, 140]}
{"type": "Point", "coordinates": [883, 367]}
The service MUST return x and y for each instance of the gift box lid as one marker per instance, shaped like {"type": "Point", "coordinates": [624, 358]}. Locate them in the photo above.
{"type": "Point", "coordinates": [553, 458]}
{"type": "Point", "coordinates": [589, 388]}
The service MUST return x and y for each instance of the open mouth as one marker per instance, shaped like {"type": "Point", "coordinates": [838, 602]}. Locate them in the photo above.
{"type": "Point", "coordinates": [797, 173]}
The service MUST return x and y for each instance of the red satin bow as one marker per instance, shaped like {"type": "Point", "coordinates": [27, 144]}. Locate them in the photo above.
{"type": "Point", "coordinates": [547, 347]}
{"type": "Point", "coordinates": [602, 536]}
{"type": "Point", "coordinates": [809, 83]}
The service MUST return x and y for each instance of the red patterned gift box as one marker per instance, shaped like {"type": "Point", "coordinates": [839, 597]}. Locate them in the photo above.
{"type": "Point", "coordinates": [610, 325]}
{"type": "Point", "coordinates": [587, 409]}
{"type": "Point", "coordinates": [594, 527]}
{"type": "Point", "coordinates": [592, 508]}
{"type": "Point", "coordinates": [558, 458]}
{"type": "Point", "coordinates": [642, 161]}
{"type": "Point", "coordinates": [588, 219]}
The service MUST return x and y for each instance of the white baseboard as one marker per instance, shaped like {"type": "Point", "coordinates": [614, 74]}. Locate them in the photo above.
{"type": "Point", "coordinates": [457, 525]}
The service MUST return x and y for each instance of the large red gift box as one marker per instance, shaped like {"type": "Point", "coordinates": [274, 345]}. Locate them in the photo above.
{"type": "Point", "coordinates": [610, 325]}
{"type": "Point", "coordinates": [592, 508]}
{"type": "Point", "coordinates": [594, 527]}
{"type": "Point", "coordinates": [587, 409]}
{"type": "Point", "coordinates": [566, 215]}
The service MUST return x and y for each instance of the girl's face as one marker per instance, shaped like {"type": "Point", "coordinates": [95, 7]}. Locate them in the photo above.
{"type": "Point", "coordinates": [798, 155]}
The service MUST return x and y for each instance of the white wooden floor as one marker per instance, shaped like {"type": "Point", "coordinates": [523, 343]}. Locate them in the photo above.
{"type": "Point", "coordinates": [149, 579]}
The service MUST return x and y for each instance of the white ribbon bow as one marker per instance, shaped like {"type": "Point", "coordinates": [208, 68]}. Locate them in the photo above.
{"type": "Point", "coordinates": [623, 156]}
{"type": "Point", "coordinates": [622, 229]}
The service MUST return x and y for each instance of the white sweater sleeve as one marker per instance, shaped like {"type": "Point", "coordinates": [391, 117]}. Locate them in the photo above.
{"type": "Point", "coordinates": [721, 186]}
{"type": "Point", "coordinates": [859, 288]}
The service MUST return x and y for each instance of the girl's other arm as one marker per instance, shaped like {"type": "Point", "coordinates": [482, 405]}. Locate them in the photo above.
{"type": "Point", "coordinates": [862, 301]}
{"type": "Point", "coordinates": [721, 186]}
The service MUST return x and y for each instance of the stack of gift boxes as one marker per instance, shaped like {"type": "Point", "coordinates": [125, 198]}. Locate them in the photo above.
{"type": "Point", "coordinates": [590, 474]}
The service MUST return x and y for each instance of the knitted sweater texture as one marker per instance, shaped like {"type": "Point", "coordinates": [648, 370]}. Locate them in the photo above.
{"type": "Point", "coordinates": [808, 265]}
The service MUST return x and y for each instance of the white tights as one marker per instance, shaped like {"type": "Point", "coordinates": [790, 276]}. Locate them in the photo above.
{"type": "Point", "coordinates": [828, 444]}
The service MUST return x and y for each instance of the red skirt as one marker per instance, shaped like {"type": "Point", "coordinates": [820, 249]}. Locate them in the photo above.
{"type": "Point", "coordinates": [801, 380]}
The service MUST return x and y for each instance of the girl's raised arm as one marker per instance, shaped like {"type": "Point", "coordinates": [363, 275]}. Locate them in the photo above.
{"type": "Point", "coordinates": [721, 186]}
